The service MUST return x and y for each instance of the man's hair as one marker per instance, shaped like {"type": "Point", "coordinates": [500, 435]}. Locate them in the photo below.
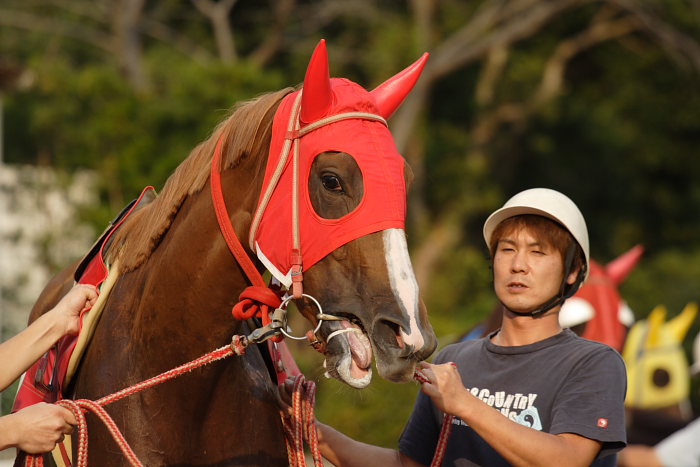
{"type": "Point", "coordinates": [549, 232]}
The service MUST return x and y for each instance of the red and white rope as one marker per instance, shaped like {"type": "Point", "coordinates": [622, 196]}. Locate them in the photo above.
{"type": "Point", "coordinates": [81, 406]}
{"type": "Point", "coordinates": [444, 431]}
{"type": "Point", "coordinates": [302, 424]}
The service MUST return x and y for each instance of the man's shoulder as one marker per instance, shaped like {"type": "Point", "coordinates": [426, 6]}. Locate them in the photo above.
{"type": "Point", "coordinates": [586, 350]}
{"type": "Point", "coordinates": [454, 351]}
{"type": "Point", "coordinates": [591, 346]}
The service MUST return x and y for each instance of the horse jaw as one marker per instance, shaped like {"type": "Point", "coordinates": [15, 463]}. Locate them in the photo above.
{"type": "Point", "coordinates": [389, 331]}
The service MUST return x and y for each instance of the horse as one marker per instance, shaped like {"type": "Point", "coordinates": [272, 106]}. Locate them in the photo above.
{"type": "Point", "coordinates": [326, 148]}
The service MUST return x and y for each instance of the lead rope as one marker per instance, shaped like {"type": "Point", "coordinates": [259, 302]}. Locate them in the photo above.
{"type": "Point", "coordinates": [302, 424]}
{"type": "Point", "coordinates": [81, 406]}
{"type": "Point", "coordinates": [444, 431]}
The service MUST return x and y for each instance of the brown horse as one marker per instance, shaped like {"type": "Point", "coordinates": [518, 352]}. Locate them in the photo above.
{"type": "Point", "coordinates": [178, 281]}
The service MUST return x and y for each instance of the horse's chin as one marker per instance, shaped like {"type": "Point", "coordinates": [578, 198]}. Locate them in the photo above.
{"type": "Point", "coordinates": [350, 352]}
{"type": "Point", "coordinates": [347, 371]}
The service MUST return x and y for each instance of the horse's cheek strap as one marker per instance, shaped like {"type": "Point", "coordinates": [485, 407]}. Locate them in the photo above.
{"type": "Point", "coordinates": [297, 275]}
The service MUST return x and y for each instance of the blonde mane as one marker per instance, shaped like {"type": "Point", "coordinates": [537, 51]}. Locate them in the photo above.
{"type": "Point", "coordinates": [246, 132]}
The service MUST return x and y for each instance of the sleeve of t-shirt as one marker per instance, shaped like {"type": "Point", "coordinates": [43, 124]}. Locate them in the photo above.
{"type": "Point", "coordinates": [591, 402]}
{"type": "Point", "coordinates": [682, 447]}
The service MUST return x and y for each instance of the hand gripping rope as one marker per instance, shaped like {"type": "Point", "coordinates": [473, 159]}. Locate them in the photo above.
{"type": "Point", "coordinates": [444, 431]}
{"type": "Point", "coordinates": [301, 423]}
{"type": "Point", "coordinates": [80, 406]}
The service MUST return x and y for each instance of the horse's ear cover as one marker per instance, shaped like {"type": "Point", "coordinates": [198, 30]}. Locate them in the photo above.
{"type": "Point", "coordinates": [367, 140]}
{"type": "Point", "coordinates": [391, 93]}
{"type": "Point", "coordinates": [317, 96]}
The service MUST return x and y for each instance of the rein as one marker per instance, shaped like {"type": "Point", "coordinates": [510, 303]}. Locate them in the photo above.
{"type": "Point", "coordinates": [80, 406]}
{"type": "Point", "coordinates": [301, 424]}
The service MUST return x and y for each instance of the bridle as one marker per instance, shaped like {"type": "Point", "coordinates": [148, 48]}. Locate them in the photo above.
{"type": "Point", "coordinates": [258, 299]}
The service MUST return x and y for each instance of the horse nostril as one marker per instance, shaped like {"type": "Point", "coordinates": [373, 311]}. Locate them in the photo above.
{"type": "Point", "coordinates": [400, 341]}
{"type": "Point", "coordinates": [396, 329]}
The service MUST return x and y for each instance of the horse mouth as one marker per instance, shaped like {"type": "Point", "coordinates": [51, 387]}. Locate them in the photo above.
{"type": "Point", "coordinates": [349, 352]}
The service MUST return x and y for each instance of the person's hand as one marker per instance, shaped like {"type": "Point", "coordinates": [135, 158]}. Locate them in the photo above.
{"type": "Point", "coordinates": [444, 386]}
{"type": "Point", "coordinates": [36, 429]}
{"type": "Point", "coordinates": [68, 310]}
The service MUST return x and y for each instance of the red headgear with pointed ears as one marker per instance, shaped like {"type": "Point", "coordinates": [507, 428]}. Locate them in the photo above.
{"type": "Point", "coordinates": [332, 114]}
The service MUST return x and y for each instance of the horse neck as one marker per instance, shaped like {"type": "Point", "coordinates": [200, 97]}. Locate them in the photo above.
{"type": "Point", "coordinates": [193, 267]}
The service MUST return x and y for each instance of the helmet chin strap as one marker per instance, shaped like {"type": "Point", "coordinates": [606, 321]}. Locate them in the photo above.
{"type": "Point", "coordinates": [565, 290]}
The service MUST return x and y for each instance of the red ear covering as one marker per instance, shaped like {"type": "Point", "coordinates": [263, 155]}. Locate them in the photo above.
{"type": "Point", "coordinates": [618, 269]}
{"type": "Point", "coordinates": [316, 98]}
{"type": "Point", "coordinates": [390, 94]}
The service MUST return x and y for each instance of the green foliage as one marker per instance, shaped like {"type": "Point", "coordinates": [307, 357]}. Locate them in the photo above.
{"type": "Point", "coordinates": [91, 117]}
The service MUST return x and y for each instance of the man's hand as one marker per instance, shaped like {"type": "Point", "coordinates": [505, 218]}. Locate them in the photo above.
{"type": "Point", "coordinates": [37, 428]}
{"type": "Point", "coordinates": [444, 386]}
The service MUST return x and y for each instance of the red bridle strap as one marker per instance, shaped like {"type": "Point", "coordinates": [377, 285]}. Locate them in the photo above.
{"type": "Point", "coordinates": [257, 299]}
{"type": "Point", "coordinates": [222, 216]}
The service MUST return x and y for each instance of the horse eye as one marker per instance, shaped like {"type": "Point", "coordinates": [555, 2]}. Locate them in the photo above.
{"type": "Point", "coordinates": [332, 183]}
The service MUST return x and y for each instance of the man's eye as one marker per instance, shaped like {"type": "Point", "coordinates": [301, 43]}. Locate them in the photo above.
{"type": "Point", "coordinates": [332, 183]}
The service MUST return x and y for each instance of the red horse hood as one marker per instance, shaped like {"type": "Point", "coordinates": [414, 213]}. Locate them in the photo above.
{"type": "Point", "coordinates": [361, 132]}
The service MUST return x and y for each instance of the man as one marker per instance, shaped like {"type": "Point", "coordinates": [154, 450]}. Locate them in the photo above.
{"type": "Point", "coordinates": [37, 428]}
{"type": "Point", "coordinates": [530, 393]}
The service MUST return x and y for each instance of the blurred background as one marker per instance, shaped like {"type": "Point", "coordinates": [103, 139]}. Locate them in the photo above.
{"type": "Point", "coordinates": [598, 99]}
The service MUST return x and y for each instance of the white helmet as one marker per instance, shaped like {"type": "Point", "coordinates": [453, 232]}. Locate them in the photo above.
{"type": "Point", "coordinates": [547, 203]}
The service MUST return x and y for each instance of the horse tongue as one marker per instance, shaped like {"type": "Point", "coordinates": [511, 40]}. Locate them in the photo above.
{"type": "Point", "coordinates": [360, 347]}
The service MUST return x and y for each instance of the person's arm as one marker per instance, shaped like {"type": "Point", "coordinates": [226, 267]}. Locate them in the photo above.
{"type": "Point", "coordinates": [21, 351]}
{"type": "Point", "coordinates": [343, 451]}
{"type": "Point", "coordinates": [638, 455]}
{"type": "Point", "coordinates": [36, 429]}
{"type": "Point", "coordinates": [340, 449]}
{"type": "Point", "coordinates": [518, 444]}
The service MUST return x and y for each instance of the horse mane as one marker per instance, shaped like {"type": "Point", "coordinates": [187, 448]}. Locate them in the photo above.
{"type": "Point", "coordinates": [246, 131]}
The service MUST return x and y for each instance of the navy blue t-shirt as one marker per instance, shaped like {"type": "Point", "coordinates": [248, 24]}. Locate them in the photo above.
{"type": "Point", "coordinates": [563, 384]}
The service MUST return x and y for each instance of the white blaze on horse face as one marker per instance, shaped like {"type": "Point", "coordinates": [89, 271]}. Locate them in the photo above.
{"type": "Point", "coordinates": [403, 283]}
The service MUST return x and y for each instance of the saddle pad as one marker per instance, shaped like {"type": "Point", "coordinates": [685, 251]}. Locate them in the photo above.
{"type": "Point", "coordinates": [44, 381]}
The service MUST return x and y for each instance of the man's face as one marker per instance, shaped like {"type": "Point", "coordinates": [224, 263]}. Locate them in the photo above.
{"type": "Point", "coordinates": [526, 271]}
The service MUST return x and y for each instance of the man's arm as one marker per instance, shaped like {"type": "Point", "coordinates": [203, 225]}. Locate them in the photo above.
{"type": "Point", "coordinates": [518, 444]}
{"type": "Point", "coordinates": [343, 451]}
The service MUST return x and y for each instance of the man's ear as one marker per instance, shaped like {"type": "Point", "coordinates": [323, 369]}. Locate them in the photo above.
{"type": "Point", "coordinates": [573, 275]}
